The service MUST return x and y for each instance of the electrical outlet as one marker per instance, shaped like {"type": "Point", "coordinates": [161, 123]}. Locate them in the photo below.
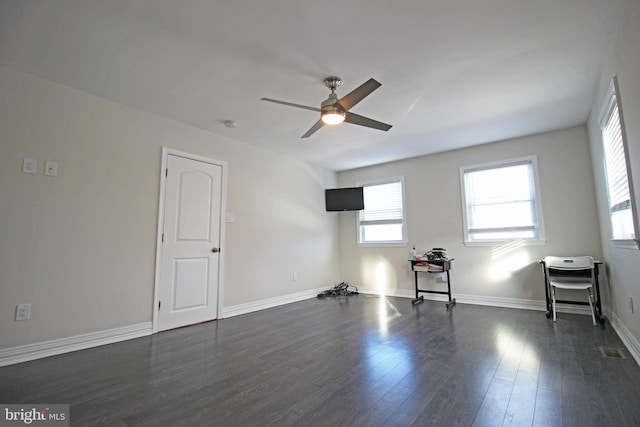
{"type": "Point", "coordinates": [23, 311]}
{"type": "Point", "coordinates": [294, 276]}
{"type": "Point", "coordinates": [50, 168]}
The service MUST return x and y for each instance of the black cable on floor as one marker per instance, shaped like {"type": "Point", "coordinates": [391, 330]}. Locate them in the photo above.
{"type": "Point", "coordinates": [339, 289]}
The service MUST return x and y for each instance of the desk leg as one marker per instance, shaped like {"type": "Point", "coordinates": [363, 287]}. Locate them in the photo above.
{"type": "Point", "coordinates": [451, 301]}
{"type": "Point", "coordinates": [417, 299]}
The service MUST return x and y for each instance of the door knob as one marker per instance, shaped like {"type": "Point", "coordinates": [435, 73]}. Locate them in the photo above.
{"type": "Point", "coordinates": [215, 250]}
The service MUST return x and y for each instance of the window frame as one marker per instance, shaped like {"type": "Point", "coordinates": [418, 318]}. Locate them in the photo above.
{"type": "Point", "coordinates": [612, 101]}
{"type": "Point", "coordinates": [395, 243]}
{"type": "Point", "coordinates": [538, 218]}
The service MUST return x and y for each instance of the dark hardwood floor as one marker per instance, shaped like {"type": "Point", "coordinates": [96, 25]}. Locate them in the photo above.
{"type": "Point", "coordinates": [348, 361]}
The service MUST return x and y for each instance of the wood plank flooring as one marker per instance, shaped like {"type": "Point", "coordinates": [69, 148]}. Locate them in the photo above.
{"type": "Point", "coordinates": [348, 361]}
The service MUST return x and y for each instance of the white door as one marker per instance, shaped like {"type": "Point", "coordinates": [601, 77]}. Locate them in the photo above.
{"type": "Point", "coordinates": [190, 259]}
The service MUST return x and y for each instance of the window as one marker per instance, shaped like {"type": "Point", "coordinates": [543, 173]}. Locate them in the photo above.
{"type": "Point", "coordinates": [382, 221]}
{"type": "Point", "coordinates": [616, 167]}
{"type": "Point", "coordinates": [500, 202]}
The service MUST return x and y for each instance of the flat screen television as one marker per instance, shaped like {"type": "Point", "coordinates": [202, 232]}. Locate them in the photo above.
{"type": "Point", "coordinates": [344, 199]}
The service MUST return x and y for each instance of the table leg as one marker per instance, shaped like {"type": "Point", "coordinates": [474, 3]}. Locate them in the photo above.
{"type": "Point", "coordinates": [417, 299]}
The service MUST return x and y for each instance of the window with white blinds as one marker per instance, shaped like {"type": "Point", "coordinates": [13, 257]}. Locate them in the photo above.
{"type": "Point", "coordinates": [621, 204]}
{"type": "Point", "coordinates": [382, 221]}
{"type": "Point", "coordinates": [500, 202]}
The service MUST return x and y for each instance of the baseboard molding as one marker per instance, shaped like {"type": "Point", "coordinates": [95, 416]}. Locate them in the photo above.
{"type": "Point", "coordinates": [632, 344]}
{"type": "Point", "coordinates": [517, 303]}
{"type": "Point", "coordinates": [470, 299]}
{"type": "Point", "coordinates": [521, 304]}
{"type": "Point", "coordinates": [29, 352]}
{"type": "Point", "coordinates": [24, 353]}
{"type": "Point", "coordinates": [400, 293]}
{"type": "Point", "coordinates": [35, 351]}
{"type": "Point", "coordinates": [237, 310]}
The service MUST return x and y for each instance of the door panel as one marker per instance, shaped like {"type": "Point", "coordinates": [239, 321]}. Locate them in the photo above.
{"type": "Point", "coordinates": [190, 261]}
{"type": "Point", "coordinates": [194, 206]}
{"type": "Point", "coordinates": [190, 283]}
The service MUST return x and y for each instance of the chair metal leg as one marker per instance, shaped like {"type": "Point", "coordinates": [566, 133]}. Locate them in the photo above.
{"type": "Point", "coordinates": [593, 317]}
{"type": "Point", "coordinates": [553, 302]}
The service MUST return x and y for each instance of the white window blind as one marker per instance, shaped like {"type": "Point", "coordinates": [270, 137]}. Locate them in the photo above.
{"type": "Point", "coordinates": [500, 201]}
{"type": "Point", "coordinates": [616, 172]}
{"type": "Point", "coordinates": [616, 165]}
{"type": "Point", "coordinates": [382, 219]}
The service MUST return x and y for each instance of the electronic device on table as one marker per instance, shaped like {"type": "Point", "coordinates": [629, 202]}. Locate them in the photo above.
{"type": "Point", "coordinates": [436, 254]}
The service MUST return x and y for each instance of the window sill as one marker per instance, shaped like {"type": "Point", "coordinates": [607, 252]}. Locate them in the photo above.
{"type": "Point", "coordinates": [382, 244]}
{"type": "Point", "coordinates": [626, 244]}
{"type": "Point", "coordinates": [514, 242]}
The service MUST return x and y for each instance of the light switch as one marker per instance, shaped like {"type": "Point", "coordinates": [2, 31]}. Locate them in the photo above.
{"type": "Point", "coordinates": [29, 166]}
{"type": "Point", "coordinates": [51, 168]}
{"type": "Point", "coordinates": [229, 217]}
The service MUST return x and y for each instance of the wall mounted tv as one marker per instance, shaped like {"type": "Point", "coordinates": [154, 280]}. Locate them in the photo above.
{"type": "Point", "coordinates": [344, 199]}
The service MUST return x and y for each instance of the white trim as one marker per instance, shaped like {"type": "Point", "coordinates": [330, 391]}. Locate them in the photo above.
{"type": "Point", "coordinates": [400, 293]}
{"type": "Point", "coordinates": [166, 152]}
{"type": "Point", "coordinates": [626, 244]}
{"type": "Point", "coordinates": [517, 303]}
{"type": "Point", "coordinates": [612, 99]}
{"type": "Point", "coordinates": [236, 310]}
{"type": "Point", "coordinates": [608, 104]}
{"type": "Point", "coordinates": [521, 304]}
{"type": "Point", "coordinates": [24, 353]}
{"type": "Point", "coordinates": [631, 342]}
{"type": "Point", "coordinates": [504, 242]}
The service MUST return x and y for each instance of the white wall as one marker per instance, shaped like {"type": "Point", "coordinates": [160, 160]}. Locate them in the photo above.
{"type": "Point", "coordinates": [622, 59]}
{"type": "Point", "coordinates": [80, 247]}
{"type": "Point", "coordinates": [434, 219]}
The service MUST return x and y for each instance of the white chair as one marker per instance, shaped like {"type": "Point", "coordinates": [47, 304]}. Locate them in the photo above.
{"type": "Point", "coordinates": [573, 273]}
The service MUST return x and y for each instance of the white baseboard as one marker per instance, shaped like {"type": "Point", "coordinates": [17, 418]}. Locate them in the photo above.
{"type": "Point", "coordinates": [35, 351]}
{"type": "Point", "coordinates": [470, 299]}
{"type": "Point", "coordinates": [521, 304]}
{"type": "Point", "coordinates": [400, 293]}
{"type": "Point", "coordinates": [236, 310]}
{"type": "Point", "coordinates": [632, 344]}
{"type": "Point", "coordinates": [28, 352]}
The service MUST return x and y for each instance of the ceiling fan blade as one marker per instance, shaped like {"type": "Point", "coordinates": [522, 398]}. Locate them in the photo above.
{"type": "Point", "coordinates": [358, 94]}
{"type": "Point", "coordinates": [357, 119]}
{"type": "Point", "coordinates": [313, 129]}
{"type": "Point", "coordinates": [290, 104]}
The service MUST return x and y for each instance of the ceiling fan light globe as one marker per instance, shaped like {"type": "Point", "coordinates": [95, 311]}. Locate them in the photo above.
{"type": "Point", "coordinates": [333, 117]}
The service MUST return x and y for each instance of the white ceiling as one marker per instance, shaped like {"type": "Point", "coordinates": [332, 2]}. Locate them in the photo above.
{"type": "Point", "coordinates": [453, 73]}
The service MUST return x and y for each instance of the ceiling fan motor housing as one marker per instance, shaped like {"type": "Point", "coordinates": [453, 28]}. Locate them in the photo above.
{"type": "Point", "coordinates": [331, 111]}
{"type": "Point", "coordinates": [331, 104]}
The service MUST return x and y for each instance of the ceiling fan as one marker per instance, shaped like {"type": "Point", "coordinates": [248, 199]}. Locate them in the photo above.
{"type": "Point", "coordinates": [334, 111]}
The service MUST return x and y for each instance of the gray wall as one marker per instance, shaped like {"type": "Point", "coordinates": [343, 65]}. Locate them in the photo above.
{"type": "Point", "coordinates": [488, 274]}
{"type": "Point", "coordinates": [80, 247]}
{"type": "Point", "coordinates": [622, 59]}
